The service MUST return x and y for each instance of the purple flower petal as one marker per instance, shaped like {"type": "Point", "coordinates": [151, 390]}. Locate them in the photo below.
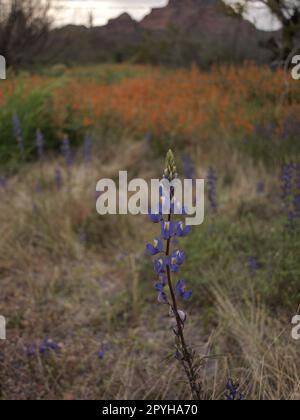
{"type": "Point", "coordinates": [187, 295]}
{"type": "Point", "coordinates": [155, 218]}
{"type": "Point", "coordinates": [182, 230]}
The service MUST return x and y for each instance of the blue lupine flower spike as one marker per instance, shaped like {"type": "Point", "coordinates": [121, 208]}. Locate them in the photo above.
{"type": "Point", "coordinates": [66, 151]}
{"type": "Point", "coordinates": [18, 132]}
{"type": "Point", "coordinates": [40, 143]}
{"type": "Point", "coordinates": [88, 148]}
{"type": "Point", "coordinates": [170, 263]}
{"type": "Point", "coordinates": [212, 190]}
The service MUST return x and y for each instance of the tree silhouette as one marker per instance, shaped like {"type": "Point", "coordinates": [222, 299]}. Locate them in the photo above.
{"type": "Point", "coordinates": [287, 12]}
{"type": "Point", "coordinates": [24, 28]}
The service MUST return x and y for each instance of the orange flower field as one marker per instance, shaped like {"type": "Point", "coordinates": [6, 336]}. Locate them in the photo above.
{"type": "Point", "coordinates": [186, 102]}
{"type": "Point", "coordinates": [186, 106]}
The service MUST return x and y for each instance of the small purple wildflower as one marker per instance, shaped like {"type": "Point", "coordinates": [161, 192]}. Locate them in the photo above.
{"type": "Point", "coordinates": [297, 191]}
{"type": "Point", "coordinates": [3, 182]}
{"type": "Point", "coordinates": [297, 168]}
{"type": "Point", "coordinates": [233, 391]}
{"type": "Point", "coordinates": [297, 205]}
{"type": "Point", "coordinates": [253, 266]}
{"type": "Point", "coordinates": [88, 148]}
{"type": "Point", "coordinates": [17, 127]}
{"type": "Point", "coordinates": [82, 236]}
{"type": "Point", "coordinates": [212, 190]}
{"type": "Point", "coordinates": [287, 184]}
{"type": "Point", "coordinates": [291, 127]}
{"type": "Point", "coordinates": [48, 345]}
{"type": "Point", "coordinates": [189, 170]}
{"type": "Point", "coordinates": [31, 350]}
{"type": "Point", "coordinates": [260, 187]}
{"type": "Point", "coordinates": [148, 138]}
{"type": "Point", "coordinates": [265, 131]}
{"type": "Point", "coordinates": [290, 195]}
{"type": "Point", "coordinates": [101, 354]}
{"type": "Point", "coordinates": [66, 151]}
{"type": "Point", "coordinates": [38, 188]}
{"type": "Point", "coordinates": [40, 143]}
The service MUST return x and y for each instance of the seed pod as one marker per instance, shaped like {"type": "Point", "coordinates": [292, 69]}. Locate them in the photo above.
{"type": "Point", "coordinates": [182, 316]}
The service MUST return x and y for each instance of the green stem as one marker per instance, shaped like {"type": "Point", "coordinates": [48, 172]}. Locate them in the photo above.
{"type": "Point", "coordinates": [189, 369]}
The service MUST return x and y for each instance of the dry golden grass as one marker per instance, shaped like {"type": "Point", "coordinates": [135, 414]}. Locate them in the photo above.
{"type": "Point", "coordinates": [91, 294]}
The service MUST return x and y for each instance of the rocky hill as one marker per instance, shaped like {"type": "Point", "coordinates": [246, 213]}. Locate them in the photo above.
{"type": "Point", "coordinates": [183, 31]}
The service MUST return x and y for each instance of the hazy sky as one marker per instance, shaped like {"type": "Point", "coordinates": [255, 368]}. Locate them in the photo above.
{"type": "Point", "coordinates": [77, 11]}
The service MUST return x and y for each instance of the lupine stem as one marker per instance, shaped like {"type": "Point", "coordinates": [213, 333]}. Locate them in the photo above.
{"type": "Point", "coordinates": [187, 357]}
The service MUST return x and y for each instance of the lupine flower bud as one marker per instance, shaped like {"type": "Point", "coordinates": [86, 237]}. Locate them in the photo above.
{"type": "Point", "coordinates": [182, 314]}
{"type": "Point", "coordinates": [170, 172]}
